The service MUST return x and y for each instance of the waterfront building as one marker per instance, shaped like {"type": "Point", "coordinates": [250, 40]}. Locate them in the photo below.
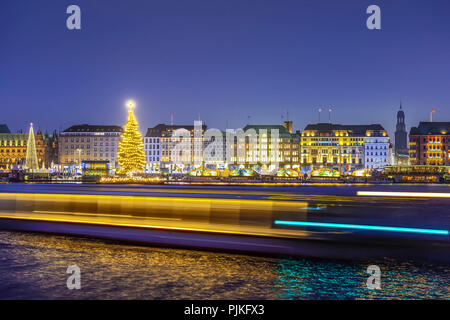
{"type": "Point", "coordinates": [214, 152]}
{"type": "Point", "coordinates": [344, 147]}
{"type": "Point", "coordinates": [429, 144]}
{"type": "Point", "coordinates": [377, 148]}
{"type": "Point", "coordinates": [152, 148]}
{"type": "Point", "coordinates": [164, 142]}
{"type": "Point", "coordinates": [51, 151]}
{"type": "Point", "coordinates": [401, 153]}
{"type": "Point", "coordinates": [175, 148]}
{"type": "Point", "coordinates": [13, 148]}
{"type": "Point", "coordinates": [89, 143]}
{"type": "Point", "coordinates": [264, 148]}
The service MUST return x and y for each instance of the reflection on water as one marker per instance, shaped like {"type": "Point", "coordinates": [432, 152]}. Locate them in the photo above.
{"type": "Point", "coordinates": [33, 266]}
{"type": "Point", "coordinates": [307, 279]}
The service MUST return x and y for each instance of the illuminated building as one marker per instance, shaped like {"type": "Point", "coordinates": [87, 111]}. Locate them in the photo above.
{"type": "Point", "coordinates": [180, 148]}
{"type": "Point", "coordinates": [344, 147]}
{"type": "Point", "coordinates": [13, 148]}
{"type": "Point", "coordinates": [272, 147]}
{"type": "Point", "coordinates": [429, 144]}
{"type": "Point", "coordinates": [89, 143]}
{"type": "Point", "coordinates": [152, 147]}
{"type": "Point", "coordinates": [215, 159]}
{"type": "Point", "coordinates": [401, 155]}
{"type": "Point", "coordinates": [377, 148]}
{"type": "Point", "coordinates": [162, 141]}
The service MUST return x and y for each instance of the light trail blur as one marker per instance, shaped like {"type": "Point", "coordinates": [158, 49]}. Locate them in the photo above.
{"type": "Point", "coordinates": [253, 217]}
{"type": "Point", "coordinates": [361, 227]}
{"type": "Point", "coordinates": [234, 212]}
{"type": "Point", "coordinates": [404, 194]}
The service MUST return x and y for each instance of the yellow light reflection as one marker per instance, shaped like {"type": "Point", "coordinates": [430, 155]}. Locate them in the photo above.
{"type": "Point", "coordinates": [403, 194]}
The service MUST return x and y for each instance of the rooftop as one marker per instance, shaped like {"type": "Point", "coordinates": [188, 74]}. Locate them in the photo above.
{"type": "Point", "coordinates": [354, 130]}
{"type": "Point", "coordinates": [157, 130]}
{"type": "Point", "coordinates": [93, 128]}
{"type": "Point", "coordinates": [14, 137]}
{"type": "Point", "coordinates": [431, 128]}
{"type": "Point", "coordinates": [4, 128]}
{"type": "Point", "coordinates": [282, 131]}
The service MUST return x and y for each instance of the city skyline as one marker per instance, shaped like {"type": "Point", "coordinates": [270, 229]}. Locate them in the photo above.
{"type": "Point", "coordinates": [224, 62]}
{"type": "Point", "coordinates": [325, 117]}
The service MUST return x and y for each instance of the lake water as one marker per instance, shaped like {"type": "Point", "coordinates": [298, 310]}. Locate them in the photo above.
{"type": "Point", "coordinates": [33, 266]}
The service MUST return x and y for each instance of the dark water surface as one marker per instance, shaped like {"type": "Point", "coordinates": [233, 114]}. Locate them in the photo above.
{"type": "Point", "coordinates": [33, 266]}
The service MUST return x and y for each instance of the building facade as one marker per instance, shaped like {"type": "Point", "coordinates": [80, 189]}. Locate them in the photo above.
{"type": "Point", "coordinates": [264, 147]}
{"type": "Point", "coordinates": [52, 150]}
{"type": "Point", "coordinates": [214, 150]}
{"type": "Point", "coordinates": [89, 143]}
{"type": "Point", "coordinates": [175, 148]}
{"type": "Point", "coordinates": [377, 149]}
{"type": "Point", "coordinates": [152, 148]}
{"type": "Point", "coordinates": [344, 147]}
{"type": "Point", "coordinates": [429, 144]}
{"type": "Point", "coordinates": [13, 148]}
{"type": "Point", "coordinates": [179, 148]}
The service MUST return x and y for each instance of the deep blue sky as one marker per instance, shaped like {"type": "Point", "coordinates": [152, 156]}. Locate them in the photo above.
{"type": "Point", "coordinates": [224, 60]}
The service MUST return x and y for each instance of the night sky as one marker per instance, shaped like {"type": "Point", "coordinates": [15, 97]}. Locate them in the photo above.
{"type": "Point", "coordinates": [223, 60]}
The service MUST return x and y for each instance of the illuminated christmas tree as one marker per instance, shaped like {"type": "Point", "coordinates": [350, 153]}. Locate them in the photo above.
{"type": "Point", "coordinates": [131, 156]}
{"type": "Point", "coordinates": [31, 160]}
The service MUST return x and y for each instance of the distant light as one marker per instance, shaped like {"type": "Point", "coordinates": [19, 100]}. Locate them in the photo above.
{"type": "Point", "coordinates": [360, 227]}
{"type": "Point", "coordinates": [131, 104]}
{"type": "Point", "coordinates": [313, 208]}
{"type": "Point", "coordinates": [403, 194]}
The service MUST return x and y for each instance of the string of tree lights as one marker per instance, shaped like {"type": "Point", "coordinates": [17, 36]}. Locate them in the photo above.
{"type": "Point", "coordinates": [131, 156]}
